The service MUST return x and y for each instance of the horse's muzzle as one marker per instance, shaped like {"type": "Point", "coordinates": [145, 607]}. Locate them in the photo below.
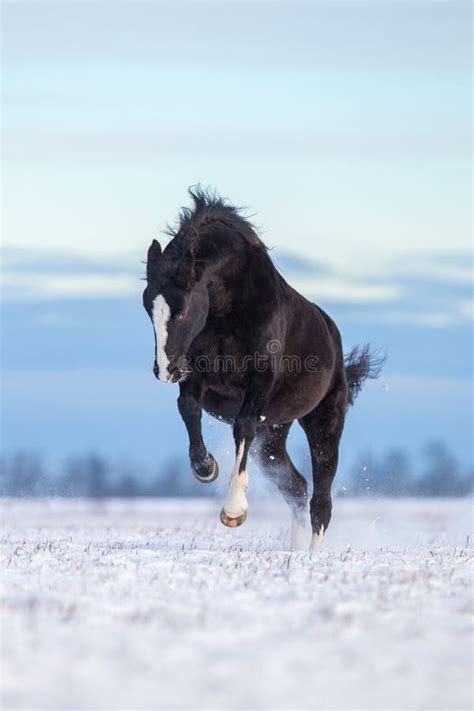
{"type": "Point", "coordinates": [173, 373]}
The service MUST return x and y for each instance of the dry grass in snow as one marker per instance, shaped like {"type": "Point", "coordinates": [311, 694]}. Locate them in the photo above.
{"type": "Point", "coordinates": [155, 605]}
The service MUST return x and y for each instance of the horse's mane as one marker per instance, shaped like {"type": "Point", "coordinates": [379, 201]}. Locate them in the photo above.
{"type": "Point", "coordinates": [209, 207]}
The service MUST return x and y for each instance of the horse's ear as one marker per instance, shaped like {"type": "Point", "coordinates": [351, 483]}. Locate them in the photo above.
{"type": "Point", "coordinates": [153, 256]}
{"type": "Point", "coordinates": [154, 251]}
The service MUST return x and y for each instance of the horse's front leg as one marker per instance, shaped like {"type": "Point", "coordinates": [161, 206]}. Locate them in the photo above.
{"type": "Point", "coordinates": [204, 466]}
{"type": "Point", "coordinates": [234, 511]}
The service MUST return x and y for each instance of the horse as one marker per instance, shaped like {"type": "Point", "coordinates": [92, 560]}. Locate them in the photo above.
{"type": "Point", "coordinates": [250, 350]}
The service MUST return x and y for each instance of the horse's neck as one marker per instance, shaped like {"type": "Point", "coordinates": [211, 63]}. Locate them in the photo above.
{"type": "Point", "coordinates": [234, 284]}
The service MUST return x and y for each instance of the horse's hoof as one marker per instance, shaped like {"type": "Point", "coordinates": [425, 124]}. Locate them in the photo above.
{"type": "Point", "coordinates": [209, 470]}
{"type": "Point", "coordinates": [233, 522]}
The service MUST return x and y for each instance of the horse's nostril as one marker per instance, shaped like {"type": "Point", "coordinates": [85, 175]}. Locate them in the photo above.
{"type": "Point", "coordinates": [173, 370]}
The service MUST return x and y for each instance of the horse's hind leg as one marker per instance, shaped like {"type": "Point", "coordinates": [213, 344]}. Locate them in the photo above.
{"type": "Point", "coordinates": [277, 465]}
{"type": "Point", "coordinates": [323, 427]}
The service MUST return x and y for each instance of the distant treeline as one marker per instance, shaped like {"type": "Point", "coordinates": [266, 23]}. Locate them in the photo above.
{"type": "Point", "coordinates": [395, 473]}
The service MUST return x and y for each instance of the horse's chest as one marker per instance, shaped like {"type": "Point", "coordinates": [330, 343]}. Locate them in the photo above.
{"type": "Point", "coordinates": [221, 361]}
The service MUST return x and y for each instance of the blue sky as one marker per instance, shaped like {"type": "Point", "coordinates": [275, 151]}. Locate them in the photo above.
{"type": "Point", "coordinates": [344, 126]}
{"type": "Point", "coordinates": [341, 124]}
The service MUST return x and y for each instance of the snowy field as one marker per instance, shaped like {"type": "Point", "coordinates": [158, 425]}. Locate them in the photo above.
{"type": "Point", "coordinates": [155, 605]}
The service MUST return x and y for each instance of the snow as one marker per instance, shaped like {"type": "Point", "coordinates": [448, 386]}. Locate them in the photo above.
{"type": "Point", "coordinates": [155, 605]}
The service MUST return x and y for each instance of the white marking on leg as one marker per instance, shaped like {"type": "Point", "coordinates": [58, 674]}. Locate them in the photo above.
{"type": "Point", "coordinates": [316, 540]}
{"type": "Point", "coordinates": [161, 314]}
{"type": "Point", "coordinates": [298, 529]}
{"type": "Point", "coordinates": [236, 502]}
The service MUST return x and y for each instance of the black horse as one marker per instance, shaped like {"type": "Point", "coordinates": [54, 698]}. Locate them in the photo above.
{"type": "Point", "coordinates": [250, 350]}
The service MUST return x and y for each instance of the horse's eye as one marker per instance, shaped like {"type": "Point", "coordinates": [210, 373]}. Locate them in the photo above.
{"type": "Point", "coordinates": [182, 315]}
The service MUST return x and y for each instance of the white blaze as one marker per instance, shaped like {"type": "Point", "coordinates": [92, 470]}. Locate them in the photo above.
{"type": "Point", "coordinates": [161, 314]}
{"type": "Point", "coordinates": [236, 501]}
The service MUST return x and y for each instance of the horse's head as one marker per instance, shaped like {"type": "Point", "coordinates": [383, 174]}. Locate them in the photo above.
{"type": "Point", "coordinates": [177, 303]}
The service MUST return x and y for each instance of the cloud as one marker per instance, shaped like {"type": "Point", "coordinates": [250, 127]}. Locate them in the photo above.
{"type": "Point", "coordinates": [32, 274]}
{"type": "Point", "coordinates": [294, 264]}
{"type": "Point", "coordinates": [450, 267]}
{"type": "Point", "coordinates": [55, 261]}
{"type": "Point", "coordinates": [414, 317]}
{"type": "Point", "coordinates": [344, 291]}
{"type": "Point", "coordinates": [19, 287]}
{"type": "Point", "coordinates": [433, 291]}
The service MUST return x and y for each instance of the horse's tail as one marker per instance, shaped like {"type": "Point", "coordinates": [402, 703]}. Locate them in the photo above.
{"type": "Point", "coordinates": [361, 364]}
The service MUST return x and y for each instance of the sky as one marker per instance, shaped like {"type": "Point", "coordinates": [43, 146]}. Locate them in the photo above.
{"type": "Point", "coordinates": [343, 127]}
